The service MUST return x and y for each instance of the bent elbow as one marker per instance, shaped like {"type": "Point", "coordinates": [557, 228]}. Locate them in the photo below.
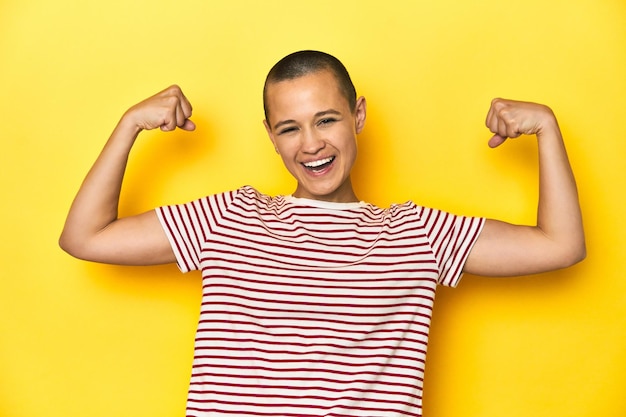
{"type": "Point", "coordinates": [575, 254]}
{"type": "Point", "coordinates": [65, 244]}
{"type": "Point", "coordinates": [71, 245]}
{"type": "Point", "coordinates": [581, 254]}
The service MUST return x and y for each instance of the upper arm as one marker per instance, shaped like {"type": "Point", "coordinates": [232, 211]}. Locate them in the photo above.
{"type": "Point", "coordinates": [133, 240]}
{"type": "Point", "coordinates": [504, 249]}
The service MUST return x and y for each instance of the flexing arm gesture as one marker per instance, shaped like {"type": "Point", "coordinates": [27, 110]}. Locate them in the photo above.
{"type": "Point", "coordinates": [557, 240]}
{"type": "Point", "coordinates": [92, 230]}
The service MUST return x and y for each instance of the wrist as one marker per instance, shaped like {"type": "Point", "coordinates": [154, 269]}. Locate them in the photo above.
{"type": "Point", "coordinates": [128, 125]}
{"type": "Point", "coordinates": [124, 135]}
{"type": "Point", "coordinates": [549, 128]}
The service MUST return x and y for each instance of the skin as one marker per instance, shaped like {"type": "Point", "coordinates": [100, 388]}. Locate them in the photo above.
{"type": "Point", "coordinates": [557, 240]}
{"type": "Point", "coordinates": [92, 229]}
{"type": "Point", "coordinates": [310, 122]}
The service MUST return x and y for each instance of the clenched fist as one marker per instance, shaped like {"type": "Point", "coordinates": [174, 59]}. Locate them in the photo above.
{"type": "Point", "coordinates": [510, 119]}
{"type": "Point", "coordinates": [166, 110]}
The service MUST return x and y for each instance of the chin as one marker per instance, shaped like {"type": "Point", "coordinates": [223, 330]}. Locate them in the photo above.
{"type": "Point", "coordinates": [314, 193]}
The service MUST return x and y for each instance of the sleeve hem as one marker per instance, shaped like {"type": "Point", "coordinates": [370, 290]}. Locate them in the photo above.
{"type": "Point", "coordinates": [453, 280]}
{"type": "Point", "coordinates": [182, 266]}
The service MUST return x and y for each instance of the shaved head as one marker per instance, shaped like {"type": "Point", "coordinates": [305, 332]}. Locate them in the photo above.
{"type": "Point", "coordinates": [302, 63]}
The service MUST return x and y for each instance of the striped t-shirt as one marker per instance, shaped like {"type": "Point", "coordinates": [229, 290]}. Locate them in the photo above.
{"type": "Point", "coordinates": [311, 308]}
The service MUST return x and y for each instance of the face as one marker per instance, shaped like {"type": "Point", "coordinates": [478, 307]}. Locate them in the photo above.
{"type": "Point", "coordinates": [314, 130]}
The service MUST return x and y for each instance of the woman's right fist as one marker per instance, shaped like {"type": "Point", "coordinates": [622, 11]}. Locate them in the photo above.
{"type": "Point", "coordinates": [166, 110]}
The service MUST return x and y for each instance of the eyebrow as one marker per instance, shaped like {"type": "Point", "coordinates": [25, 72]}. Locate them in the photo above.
{"type": "Point", "coordinates": [318, 114]}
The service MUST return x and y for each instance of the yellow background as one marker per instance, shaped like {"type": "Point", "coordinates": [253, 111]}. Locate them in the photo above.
{"type": "Point", "coordinates": [96, 340]}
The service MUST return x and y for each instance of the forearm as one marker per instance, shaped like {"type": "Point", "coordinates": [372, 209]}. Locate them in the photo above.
{"type": "Point", "coordinates": [558, 214]}
{"type": "Point", "coordinates": [96, 204]}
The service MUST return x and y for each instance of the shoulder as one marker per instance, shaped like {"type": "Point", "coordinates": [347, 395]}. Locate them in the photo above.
{"type": "Point", "coordinates": [407, 210]}
{"type": "Point", "coordinates": [251, 196]}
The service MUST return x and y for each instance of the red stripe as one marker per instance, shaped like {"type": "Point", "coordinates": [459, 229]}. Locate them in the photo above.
{"type": "Point", "coordinates": [297, 388]}
{"type": "Point", "coordinates": [311, 352]}
{"type": "Point", "coordinates": [299, 344]}
{"type": "Point", "coordinates": [315, 379]}
{"type": "Point", "coordinates": [321, 313]}
{"type": "Point", "coordinates": [292, 319]}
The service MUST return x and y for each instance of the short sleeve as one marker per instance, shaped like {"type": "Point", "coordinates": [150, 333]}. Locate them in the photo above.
{"type": "Point", "coordinates": [452, 238]}
{"type": "Point", "coordinates": [188, 226]}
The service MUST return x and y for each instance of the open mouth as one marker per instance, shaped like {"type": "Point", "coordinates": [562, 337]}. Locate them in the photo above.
{"type": "Point", "coordinates": [319, 165]}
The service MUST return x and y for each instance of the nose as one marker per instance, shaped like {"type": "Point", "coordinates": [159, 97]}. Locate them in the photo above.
{"type": "Point", "coordinates": [312, 142]}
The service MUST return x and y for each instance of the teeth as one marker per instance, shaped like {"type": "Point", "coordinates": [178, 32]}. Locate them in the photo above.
{"type": "Point", "coordinates": [315, 164]}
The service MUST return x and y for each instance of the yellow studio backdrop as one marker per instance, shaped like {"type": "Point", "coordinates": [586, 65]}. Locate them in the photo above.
{"type": "Point", "coordinates": [85, 339]}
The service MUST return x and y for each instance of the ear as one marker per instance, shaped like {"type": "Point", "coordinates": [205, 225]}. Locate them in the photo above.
{"type": "Point", "coordinates": [360, 111]}
{"type": "Point", "coordinates": [268, 129]}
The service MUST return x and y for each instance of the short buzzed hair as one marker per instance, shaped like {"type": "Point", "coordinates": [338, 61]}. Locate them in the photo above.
{"type": "Point", "coordinates": [302, 63]}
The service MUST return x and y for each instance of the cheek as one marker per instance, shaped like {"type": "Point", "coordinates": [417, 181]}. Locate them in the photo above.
{"type": "Point", "coordinates": [288, 164]}
{"type": "Point", "coordinates": [286, 148]}
{"type": "Point", "coordinates": [353, 155]}
{"type": "Point", "coordinates": [287, 154]}
{"type": "Point", "coordinates": [350, 150]}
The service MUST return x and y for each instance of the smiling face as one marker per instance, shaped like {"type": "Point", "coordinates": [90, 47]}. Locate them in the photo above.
{"type": "Point", "coordinates": [314, 130]}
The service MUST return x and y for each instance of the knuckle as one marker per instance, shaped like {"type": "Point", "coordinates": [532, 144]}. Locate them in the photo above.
{"type": "Point", "coordinates": [497, 102]}
{"type": "Point", "coordinates": [171, 101]}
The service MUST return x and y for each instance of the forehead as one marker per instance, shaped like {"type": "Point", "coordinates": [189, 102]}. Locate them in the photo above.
{"type": "Point", "coordinates": [312, 92]}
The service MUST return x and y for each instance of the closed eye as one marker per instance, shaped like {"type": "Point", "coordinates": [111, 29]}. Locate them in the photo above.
{"type": "Point", "coordinates": [326, 121]}
{"type": "Point", "coordinates": [287, 130]}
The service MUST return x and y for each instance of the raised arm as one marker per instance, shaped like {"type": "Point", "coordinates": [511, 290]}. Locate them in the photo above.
{"type": "Point", "coordinates": [557, 240]}
{"type": "Point", "coordinates": [92, 229]}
